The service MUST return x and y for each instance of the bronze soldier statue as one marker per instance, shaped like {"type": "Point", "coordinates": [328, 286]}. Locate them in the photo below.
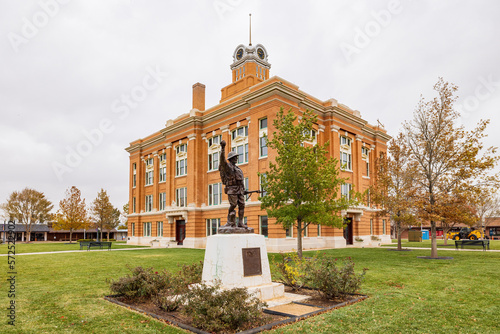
{"type": "Point", "coordinates": [234, 182]}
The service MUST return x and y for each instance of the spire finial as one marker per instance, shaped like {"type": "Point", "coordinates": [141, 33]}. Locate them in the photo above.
{"type": "Point", "coordinates": [250, 15]}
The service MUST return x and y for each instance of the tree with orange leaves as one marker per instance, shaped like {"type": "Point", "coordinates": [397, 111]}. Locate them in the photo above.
{"type": "Point", "coordinates": [72, 213]}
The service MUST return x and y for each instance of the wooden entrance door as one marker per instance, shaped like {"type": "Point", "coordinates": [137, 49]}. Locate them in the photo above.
{"type": "Point", "coordinates": [180, 231]}
{"type": "Point", "coordinates": [348, 231]}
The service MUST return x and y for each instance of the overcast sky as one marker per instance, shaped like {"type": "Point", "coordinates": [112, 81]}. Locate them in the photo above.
{"type": "Point", "coordinates": [67, 66]}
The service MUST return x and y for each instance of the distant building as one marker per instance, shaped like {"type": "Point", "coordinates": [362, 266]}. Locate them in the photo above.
{"type": "Point", "coordinates": [176, 196]}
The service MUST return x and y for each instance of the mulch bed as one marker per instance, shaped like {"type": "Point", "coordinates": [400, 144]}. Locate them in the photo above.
{"type": "Point", "coordinates": [272, 319]}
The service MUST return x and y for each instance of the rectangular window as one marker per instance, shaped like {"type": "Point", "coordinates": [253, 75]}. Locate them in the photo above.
{"type": "Point", "coordinates": [132, 226]}
{"type": "Point", "coordinates": [213, 161]}
{"type": "Point", "coordinates": [346, 190]}
{"type": "Point", "coordinates": [134, 174]}
{"type": "Point", "coordinates": [371, 226]}
{"type": "Point", "coordinates": [367, 168]}
{"type": "Point", "coordinates": [247, 198]}
{"type": "Point", "coordinates": [133, 205]}
{"type": "Point", "coordinates": [263, 146]}
{"type": "Point", "coordinates": [345, 161]}
{"type": "Point", "coordinates": [305, 230]}
{"type": "Point", "coordinates": [262, 179]}
{"type": "Point", "coordinates": [383, 226]}
{"type": "Point", "coordinates": [149, 203]}
{"type": "Point", "coordinates": [319, 230]}
{"type": "Point", "coordinates": [215, 140]}
{"type": "Point", "coordinates": [263, 226]}
{"type": "Point", "coordinates": [345, 141]}
{"type": "Point", "coordinates": [147, 229]}
{"type": "Point", "coordinates": [163, 201]}
{"type": "Point", "coordinates": [242, 151]}
{"type": "Point", "coordinates": [263, 123]}
{"type": "Point", "coordinates": [181, 167]}
{"type": "Point", "coordinates": [181, 148]}
{"type": "Point", "coordinates": [214, 194]}
{"type": "Point", "coordinates": [289, 232]}
{"type": "Point", "coordinates": [181, 197]}
{"type": "Point", "coordinates": [163, 169]}
{"type": "Point", "coordinates": [159, 229]}
{"type": "Point", "coordinates": [149, 171]}
{"type": "Point", "coordinates": [212, 226]}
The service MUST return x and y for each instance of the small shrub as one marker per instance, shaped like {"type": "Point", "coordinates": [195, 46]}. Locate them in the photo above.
{"type": "Point", "coordinates": [85, 240]}
{"type": "Point", "coordinates": [216, 310]}
{"type": "Point", "coordinates": [144, 283]}
{"type": "Point", "coordinates": [191, 273]}
{"type": "Point", "coordinates": [291, 270]}
{"type": "Point", "coordinates": [358, 239]}
{"type": "Point", "coordinates": [333, 279]}
{"type": "Point", "coordinates": [375, 238]}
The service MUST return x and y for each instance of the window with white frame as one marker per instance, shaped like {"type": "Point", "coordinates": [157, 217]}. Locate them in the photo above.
{"type": "Point", "coordinates": [365, 156]}
{"type": "Point", "coordinates": [147, 229]}
{"type": "Point", "coordinates": [134, 175]}
{"type": "Point", "coordinates": [345, 190]}
{"type": "Point", "coordinates": [263, 227]}
{"type": "Point", "coordinates": [311, 136]}
{"type": "Point", "coordinates": [149, 171]}
{"type": "Point", "coordinates": [132, 227]}
{"type": "Point", "coordinates": [163, 201]}
{"type": "Point", "coordinates": [214, 193]}
{"type": "Point", "coordinates": [212, 226]}
{"type": "Point", "coordinates": [239, 143]}
{"type": "Point", "coordinates": [305, 231]}
{"type": "Point", "coordinates": [383, 227]}
{"type": "Point", "coordinates": [181, 197]}
{"type": "Point", "coordinates": [133, 205]}
{"type": "Point", "coordinates": [319, 230]}
{"type": "Point", "coordinates": [159, 229]}
{"type": "Point", "coordinates": [181, 160]}
{"type": "Point", "coordinates": [345, 153]}
{"type": "Point", "coordinates": [214, 152]}
{"type": "Point", "coordinates": [262, 179]}
{"type": "Point", "coordinates": [149, 203]}
{"type": "Point", "coordinates": [289, 232]}
{"type": "Point", "coordinates": [371, 226]}
{"type": "Point", "coordinates": [163, 167]}
{"type": "Point", "coordinates": [263, 137]}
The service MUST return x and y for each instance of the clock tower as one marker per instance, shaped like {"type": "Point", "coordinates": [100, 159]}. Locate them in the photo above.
{"type": "Point", "coordinates": [249, 67]}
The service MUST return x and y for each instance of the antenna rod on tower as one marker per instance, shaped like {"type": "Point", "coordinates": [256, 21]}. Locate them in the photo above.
{"type": "Point", "coordinates": [250, 29]}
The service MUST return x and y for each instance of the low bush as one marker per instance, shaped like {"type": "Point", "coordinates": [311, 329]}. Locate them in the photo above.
{"type": "Point", "coordinates": [334, 279]}
{"type": "Point", "coordinates": [85, 240]}
{"type": "Point", "coordinates": [291, 270]}
{"type": "Point", "coordinates": [216, 310]}
{"type": "Point", "coordinates": [144, 283]}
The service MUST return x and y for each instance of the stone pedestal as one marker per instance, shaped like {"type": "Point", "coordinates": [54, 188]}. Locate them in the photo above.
{"type": "Point", "coordinates": [240, 260]}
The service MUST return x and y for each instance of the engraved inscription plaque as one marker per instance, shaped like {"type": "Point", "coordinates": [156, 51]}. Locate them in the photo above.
{"type": "Point", "coordinates": [252, 265]}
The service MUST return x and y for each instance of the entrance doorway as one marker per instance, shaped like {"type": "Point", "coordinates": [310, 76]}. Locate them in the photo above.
{"type": "Point", "coordinates": [180, 231]}
{"type": "Point", "coordinates": [348, 231]}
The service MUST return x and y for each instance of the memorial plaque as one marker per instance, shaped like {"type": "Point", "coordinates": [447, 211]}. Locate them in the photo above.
{"type": "Point", "coordinates": [252, 265]}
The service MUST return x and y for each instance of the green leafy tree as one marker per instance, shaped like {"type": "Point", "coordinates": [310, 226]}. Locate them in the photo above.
{"type": "Point", "coordinates": [101, 210]}
{"type": "Point", "coordinates": [113, 222]}
{"type": "Point", "coordinates": [447, 157]}
{"type": "Point", "coordinates": [303, 183]}
{"type": "Point", "coordinates": [72, 213]}
{"type": "Point", "coordinates": [27, 207]}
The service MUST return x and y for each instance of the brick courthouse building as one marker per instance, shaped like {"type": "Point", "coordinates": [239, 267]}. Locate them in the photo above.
{"type": "Point", "coordinates": [176, 196]}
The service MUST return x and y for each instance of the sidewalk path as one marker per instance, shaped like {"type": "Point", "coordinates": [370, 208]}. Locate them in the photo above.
{"type": "Point", "coordinates": [83, 251]}
{"type": "Point", "coordinates": [449, 249]}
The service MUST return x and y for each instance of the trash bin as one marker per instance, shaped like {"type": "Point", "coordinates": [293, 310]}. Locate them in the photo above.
{"type": "Point", "coordinates": [415, 235]}
{"type": "Point", "coordinates": [425, 235]}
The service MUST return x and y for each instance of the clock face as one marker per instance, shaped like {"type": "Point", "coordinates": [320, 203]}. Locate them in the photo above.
{"type": "Point", "coordinates": [260, 52]}
{"type": "Point", "coordinates": [239, 54]}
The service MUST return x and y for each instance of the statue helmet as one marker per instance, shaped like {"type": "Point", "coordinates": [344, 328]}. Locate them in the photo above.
{"type": "Point", "coordinates": [232, 155]}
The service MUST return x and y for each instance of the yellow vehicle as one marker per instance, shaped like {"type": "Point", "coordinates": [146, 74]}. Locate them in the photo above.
{"type": "Point", "coordinates": [465, 233]}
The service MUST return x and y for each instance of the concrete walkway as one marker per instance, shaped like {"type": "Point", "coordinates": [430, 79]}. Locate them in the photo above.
{"type": "Point", "coordinates": [82, 251]}
{"type": "Point", "coordinates": [446, 249]}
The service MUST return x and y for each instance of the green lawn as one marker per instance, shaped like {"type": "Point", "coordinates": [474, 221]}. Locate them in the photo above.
{"type": "Point", "coordinates": [62, 293]}
{"type": "Point", "coordinates": [494, 244]}
{"type": "Point", "coordinates": [35, 247]}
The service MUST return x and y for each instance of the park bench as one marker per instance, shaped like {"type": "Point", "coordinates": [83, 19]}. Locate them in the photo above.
{"type": "Point", "coordinates": [84, 244]}
{"type": "Point", "coordinates": [462, 243]}
{"type": "Point", "coordinates": [101, 245]}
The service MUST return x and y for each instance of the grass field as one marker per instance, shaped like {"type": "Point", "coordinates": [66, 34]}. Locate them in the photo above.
{"type": "Point", "coordinates": [62, 293]}
{"type": "Point", "coordinates": [36, 247]}
{"type": "Point", "coordinates": [494, 244]}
